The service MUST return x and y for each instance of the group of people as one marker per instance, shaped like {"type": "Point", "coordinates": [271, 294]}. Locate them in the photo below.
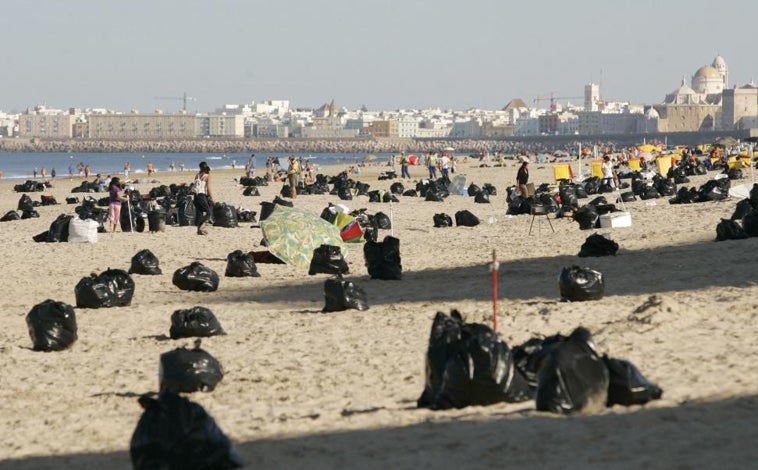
{"type": "Point", "coordinates": [445, 164]}
{"type": "Point", "coordinates": [43, 172]}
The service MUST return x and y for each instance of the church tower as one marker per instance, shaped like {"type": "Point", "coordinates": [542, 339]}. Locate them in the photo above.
{"type": "Point", "coordinates": [720, 65]}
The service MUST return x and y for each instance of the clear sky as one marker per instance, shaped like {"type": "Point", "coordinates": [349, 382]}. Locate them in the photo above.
{"type": "Point", "coordinates": [385, 54]}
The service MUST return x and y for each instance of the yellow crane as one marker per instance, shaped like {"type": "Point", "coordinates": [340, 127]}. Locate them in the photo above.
{"type": "Point", "coordinates": [184, 99]}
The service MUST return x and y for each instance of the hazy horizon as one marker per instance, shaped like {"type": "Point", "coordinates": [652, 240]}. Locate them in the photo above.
{"type": "Point", "coordinates": [384, 54]}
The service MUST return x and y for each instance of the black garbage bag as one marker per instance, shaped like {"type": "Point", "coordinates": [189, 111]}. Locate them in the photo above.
{"type": "Point", "coordinates": [464, 218]}
{"type": "Point", "coordinates": [383, 258]}
{"type": "Point", "coordinates": [175, 433]}
{"type": "Point", "coordinates": [286, 191]}
{"type": "Point", "coordinates": [246, 215]}
{"type": "Point", "coordinates": [241, 264]}
{"type": "Point", "coordinates": [362, 188]}
{"type": "Point", "coordinates": [145, 262]}
{"type": "Point", "coordinates": [468, 364]}
{"type": "Point", "coordinates": [52, 326]}
{"type": "Point", "coordinates": [397, 188]}
{"type": "Point", "coordinates": [29, 214]}
{"type": "Point", "coordinates": [72, 200]}
{"type": "Point", "coordinates": [374, 196]}
{"type": "Point", "coordinates": [328, 259]}
{"type": "Point", "coordinates": [598, 245]}
{"type": "Point", "coordinates": [489, 189]}
{"type": "Point", "coordinates": [48, 200]}
{"type": "Point", "coordinates": [10, 216]}
{"type": "Point", "coordinates": [189, 370]}
{"type": "Point", "coordinates": [410, 193]}
{"type": "Point", "coordinates": [187, 213]}
{"type": "Point", "coordinates": [442, 220]}
{"type": "Point", "coordinates": [224, 215]}
{"type": "Point", "coordinates": [580, 284]}
{"type": "Point", "coordinates": [742, 208]}
{"type": "Point", "coordinates": [591, 185]}
{"type": "Point", "coordinates": [518, 205]}
{"type": "Point", "coordinates": [344, 194]}
{"type": "Point", "coordinates": [389, 197]}
{"type": "Point", "coordinates": [628, 196]}
{"type": "Point", "coordinates": [473, 190]}
{"type": "Point", "coordinates": [434, 196]}
{"type": "Point", "coordinates": [196, 277]}
{"type": "Point", "coordinates": [25, 203]}
{"type": "Point", "coordinates": [58, 231]}
{"type": "Point", "coordinates": [573, 378]}
{"type": "Point", "coordinates": [666, 187]}
{"type": "Point", "coordinates": [627, 384]}
{"type": "Point", "coordinates": [530, 356]}
{"type": "Point", "coordinates": [734, 174]}
{"type": "Point", "coordinates": [111, 288]}
{"type": "Point", "coordinates": [754, 196]}
{"type": "Point", "coordinates": [587, 217]}
{"type": "Point", "coordinates": [251, 191]}
{"type": "Point", "coordinates": [729, 229]}
{"type": "Point", "coordinates": [750, 223]}
{"type": "Point", "coordinates": [197, 322]}
{"type": "Point", "coordinates": [382, 221]}
{"type": "Point", "coordinates": [283, 202]}
{"type": "Point", "coordinates": [340, 294]}
{"type": "Point", "coordinates": [156, 221]}
{"type": "Point", "coordinates": [482, 197]}
{"type": "Point", "coordinates": [714, 190]}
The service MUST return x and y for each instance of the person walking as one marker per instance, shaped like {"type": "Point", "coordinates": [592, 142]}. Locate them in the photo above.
{"type": "Point", "coordinates": [203, 197]}
{"type": "Point", "coordinates": [293, 174]}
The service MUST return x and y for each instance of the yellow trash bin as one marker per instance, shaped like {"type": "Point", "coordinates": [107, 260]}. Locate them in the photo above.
{"type": "Point", "coordinates": [664, 163]}
{"type": "Point", "coordinates": [634, 164]}
{"type": "Point", "coordinates": [562, 172]}
{"type": "Point", "coordinates": [597, 168]}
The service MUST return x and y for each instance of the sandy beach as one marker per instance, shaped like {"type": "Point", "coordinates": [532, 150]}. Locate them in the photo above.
{"type": "Point", "coordinates": [304, 389]}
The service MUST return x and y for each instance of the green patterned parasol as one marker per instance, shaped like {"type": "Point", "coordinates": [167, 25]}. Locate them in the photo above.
{"type": "Point", "coordinates": [293, 234]}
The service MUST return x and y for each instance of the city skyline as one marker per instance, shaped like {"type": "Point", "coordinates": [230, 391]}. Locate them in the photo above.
{"type": "Point", "coordinates": [383, 54]}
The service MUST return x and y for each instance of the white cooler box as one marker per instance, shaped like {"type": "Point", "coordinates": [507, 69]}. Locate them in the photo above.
{"type": "Point", "coordinates": [616, 219]}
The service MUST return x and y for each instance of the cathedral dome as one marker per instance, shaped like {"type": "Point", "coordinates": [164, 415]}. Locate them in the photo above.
{"type": "Point", "coordinates": [707, 71]}
{"type": "Point", "coordinates": [719, 63]}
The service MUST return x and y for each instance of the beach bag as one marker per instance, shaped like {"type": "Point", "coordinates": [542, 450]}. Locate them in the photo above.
{"type": "Point", "coordinates": [468, 364]}
{"type": "Point", "coordinates": [750, 223]}
{"type": "Point", "coordinates": [52, 326]}
{"type": "Point", "coordinates": [342, 295]}
{"type": "Point", "coordinates": [25, 203]}
{"type": "Point", "coordinates": [465, 218]}
{"type": "Point", "coordinates": [627, 386]}
{"type": "Point", "coordinates": [174, 433]}
{"type": "Point", "coordinates": [573, 378]}
{"type": "Point", "coordinates": [729, 229]}
{"type": "Point", "coordinates": [598, 245]}
{"type": "Point", "coordinates": [111, 288]}
{"type": "Point", "coordinates": [580, 284]}
{"type": "Point", "coordinates": [224, 215]}
{"type": "Point", "coordinates": [442, 220]}
{"type": "Point", "coordinates": [82, 230]}
{"type": "Point", "coordinates": [197, 322]}
{"type": "Point", "coordinates": [328, 259]}
{"type": "Point", "coordinates": [196, 277]}
{"type": "Point", "coordinates": [145, 262]}
{"type": "Point", "coordinates": [241, 264]}
{"type": "Point", "coordinates": [189, 370]}
{"type": "Point", "coordinates": [10, 216]}
{"type": "Point", "coordinates": [383, 258]}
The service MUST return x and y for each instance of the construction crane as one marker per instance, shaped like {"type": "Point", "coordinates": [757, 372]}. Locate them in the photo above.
{"type": "Point", "coordinates": [553, 100]}
{"type": "Point", "coordinates": [184, 99]}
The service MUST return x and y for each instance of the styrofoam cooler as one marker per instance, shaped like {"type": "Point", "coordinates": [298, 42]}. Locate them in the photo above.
{"type": "Point", "coordinates": [616, 220]}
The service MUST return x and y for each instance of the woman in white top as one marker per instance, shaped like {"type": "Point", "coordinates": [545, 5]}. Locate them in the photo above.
{"type": "Point", "coordinates": [203, 198]}
{"type": "Point", "coordinates": [609, 174]}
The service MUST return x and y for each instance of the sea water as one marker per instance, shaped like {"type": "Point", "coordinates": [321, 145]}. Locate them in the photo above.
{"type": "Point", "coordinates": [20, 166]}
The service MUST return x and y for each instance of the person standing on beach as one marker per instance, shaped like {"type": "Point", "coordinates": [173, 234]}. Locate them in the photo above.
{"type": "Point", "coordinates": [127, 167]}
{"type": "Point", "coordinates": [609, 174]}
{"type": "Point", "coordinates": [293, 174]}
{"type": "Point", "coordinates": [52, 173]}
{"type": "Point", "coordinates": [114, 203]}
{"type": "Point", "coordinates": [445, 166]}
{"type": "Point", "coordinates": [150, 169]}
{"type": "Point", "coordinates": [522, 176]}
{"type": "Point", "coordinates": [431, 163]}
{"type": "Point", "coordinates": [43, 172]}
{"type": "Point", "coordinates": [34, 172]}
{"type": "Point", "coordinates": [203, 197]}
{"type": "Point", "coordinates": [404, 173]}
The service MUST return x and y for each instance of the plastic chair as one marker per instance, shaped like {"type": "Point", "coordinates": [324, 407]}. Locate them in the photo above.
{"type": "Point", "coordinates": [539, 209]}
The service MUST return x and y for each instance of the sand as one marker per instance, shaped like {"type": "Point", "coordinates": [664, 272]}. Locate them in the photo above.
{"type": "Point", "coordinates": [312, 390]}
